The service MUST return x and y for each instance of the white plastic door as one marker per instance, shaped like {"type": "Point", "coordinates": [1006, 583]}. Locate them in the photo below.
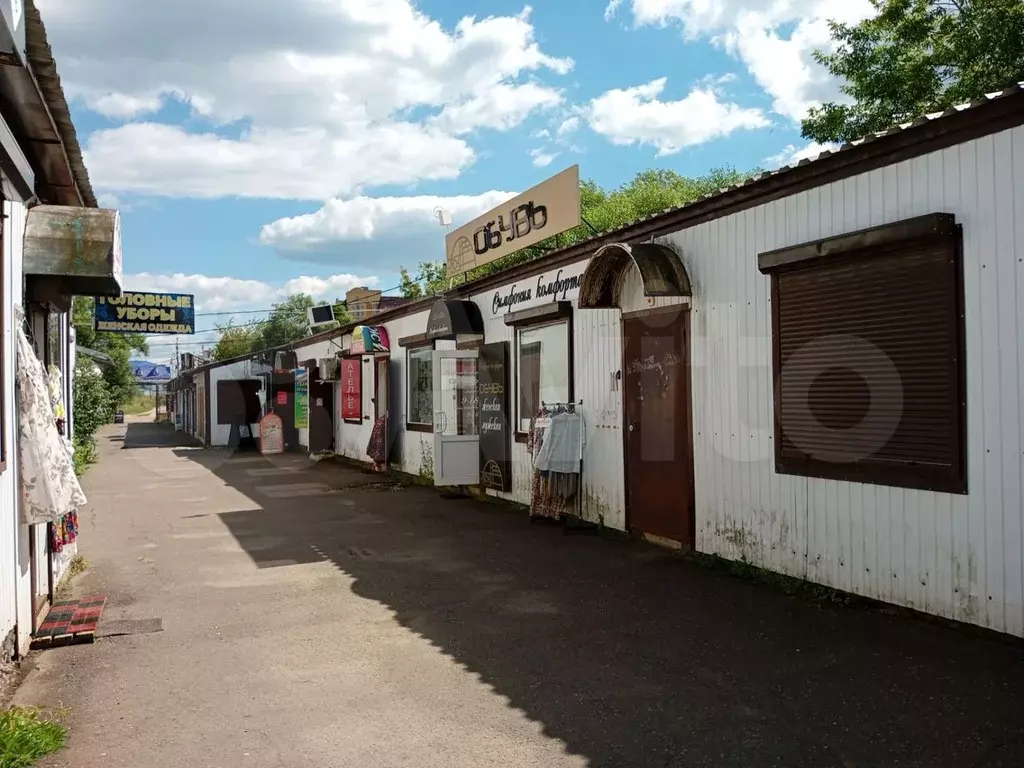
{"type": "Point", "coordinates": [456, 418]}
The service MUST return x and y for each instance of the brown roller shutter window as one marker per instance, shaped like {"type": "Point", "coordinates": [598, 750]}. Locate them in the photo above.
{"type": "Point", "coordinates": [868, 349]}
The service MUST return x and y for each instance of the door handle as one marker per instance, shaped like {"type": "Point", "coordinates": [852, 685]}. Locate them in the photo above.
{"type": "Point", "coordinates": [631, 426]}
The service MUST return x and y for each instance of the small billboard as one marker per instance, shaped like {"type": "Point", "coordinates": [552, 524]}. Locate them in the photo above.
{"type": "Point", "coordinates": [150, 313]}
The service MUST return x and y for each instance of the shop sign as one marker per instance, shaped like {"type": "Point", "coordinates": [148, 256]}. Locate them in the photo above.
{"type": "Point", "coordinates": [301, 399]}
{"type": "Point", "coordinates": [139, 312]}
{"type": "Point", "coordinates": [544, 211]}
{"type": "Point", "coordinates": [495, 433]}
{"type": "Point", "coordinates": [548, 288]}
{"type": "Point", "coordinates": [282, 398]}
{"type": "Point", "coordinates": [271, 434]}
{"type": "Point", "coordinates": [351, 390]}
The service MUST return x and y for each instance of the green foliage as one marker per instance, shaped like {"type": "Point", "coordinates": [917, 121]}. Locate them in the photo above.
{"type": "Point", "coordinates": [27, 735]}
{"type": "Point", "coordinates": [120, 346]}
{"type": "Point", "coordinates": [430, 280]}
{"type": "Point", "coordinates": [93, 405]}
{"type": "Point", "coordinates": [85, 454]}
{"type": "Point", "coordinates": [287, 322]}
{"type": "Point", "coordinates": [916, 57]}
{"type": "Point", "coordinates": [649, 193]}
{"type": "Point", "coordinates": [235, 341]}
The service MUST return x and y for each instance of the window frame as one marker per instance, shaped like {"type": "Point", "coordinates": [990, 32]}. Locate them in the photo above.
{"type": "Point", "coordinates": [410, 348]}
{"type": "Point", "coordinates": [935, 230]}
{"type": "Point", "coordinates": [559, 313]}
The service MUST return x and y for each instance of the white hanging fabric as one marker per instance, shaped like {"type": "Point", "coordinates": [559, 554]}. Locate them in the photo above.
{"type": "Point", "coordinates": [49, 487]}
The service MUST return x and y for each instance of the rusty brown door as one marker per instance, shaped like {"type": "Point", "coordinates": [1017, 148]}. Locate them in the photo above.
{"type": "Point", "coordinates": [658, 442]}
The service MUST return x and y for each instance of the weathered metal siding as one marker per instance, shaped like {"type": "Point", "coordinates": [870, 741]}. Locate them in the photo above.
{"type": "Point", "coordinates": [956, 556]}
{"type": "Point", "coordinates": [597, 354]}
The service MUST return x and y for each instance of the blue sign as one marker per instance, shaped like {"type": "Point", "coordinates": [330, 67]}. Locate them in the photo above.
{"type": "Point", "coordinates": [134, 312]}
{"type": "Point", "coordinates": [146, 371]}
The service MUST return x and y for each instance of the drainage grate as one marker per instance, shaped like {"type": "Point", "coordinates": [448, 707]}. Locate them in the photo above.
{"type": "Point", "coordinates": [120, 627]}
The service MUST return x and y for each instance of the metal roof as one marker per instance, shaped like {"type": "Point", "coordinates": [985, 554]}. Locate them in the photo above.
{"type": "Point", "coordinates": [44, 71]}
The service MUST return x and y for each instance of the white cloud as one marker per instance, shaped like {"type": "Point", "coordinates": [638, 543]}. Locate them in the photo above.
{"type": "Point", "coordinates": [366, 218]}
{"type": "Point", "coordinates": [637, 116]}
{"type": "Point", "coordinates": [317, 85]}
{"type": "Point", "coordinates": [780, 61]}
{"type": "Point", "coordinates": [541, 158]}
{"type": "Point", "coordinates": [611, 8]}
{"type": "Point", "coordinates": [567, 126]}
{"type": "Point", "coordinates": [792, 154]}
{"type": "Point", "coordinates": [291, 164]}
{"type": "Point", "coordinates": [232, 294]}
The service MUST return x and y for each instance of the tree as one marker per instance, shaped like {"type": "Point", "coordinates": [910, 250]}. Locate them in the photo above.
{"type": "Point", "coordinates": [430, 280]}
{"type": "Point", "coordinates": [916, 57]}
{"type": "Point", "coordinates": [649, 193]}
{"type": "Point", "coordinates": [235, 341]}
{"type": "Point", "coordinates": [287, 321]}
{"type": "Point", "coordinates": [119, 377]}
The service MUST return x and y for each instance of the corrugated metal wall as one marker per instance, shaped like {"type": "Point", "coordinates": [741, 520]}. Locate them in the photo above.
{"type": "Point", "coordinates": [15, 584]}
{"type": "Point", "coordinates": [957, 556]}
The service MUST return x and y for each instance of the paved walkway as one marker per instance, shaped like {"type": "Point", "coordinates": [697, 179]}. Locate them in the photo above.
{"type": "Point", "coordinates": [311, 620]}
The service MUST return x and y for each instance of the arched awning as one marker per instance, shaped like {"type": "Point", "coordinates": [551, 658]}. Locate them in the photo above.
{"type": "Point", "coordinates": [661, 272]}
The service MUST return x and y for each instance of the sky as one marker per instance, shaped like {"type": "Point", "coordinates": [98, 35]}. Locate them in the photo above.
{"type": "Point", "coordinates": [256, 149]}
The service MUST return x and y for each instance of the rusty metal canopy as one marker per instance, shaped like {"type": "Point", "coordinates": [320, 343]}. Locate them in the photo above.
{"type": "Point", "coordinates": [77, 250]}
{"type": "Point", "coordinates": [661, 272]}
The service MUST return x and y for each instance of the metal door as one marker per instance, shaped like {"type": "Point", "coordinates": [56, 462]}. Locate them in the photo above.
{"type": "Point", "coordinates": [659, 446]}
{"type": "Point", "coordinates": [456, 427]}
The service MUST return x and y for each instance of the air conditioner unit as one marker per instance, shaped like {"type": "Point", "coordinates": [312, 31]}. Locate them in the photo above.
{"type": "Point", "coordinates": [330, 369]}
{"type": "Point", "coordinates": [318, 316]}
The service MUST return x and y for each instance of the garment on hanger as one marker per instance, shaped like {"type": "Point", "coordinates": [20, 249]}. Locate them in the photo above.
{"type": "Point", "coordinates": [49, 487]}
{"type": "Point", "coordinates": [556, 445]}
{"type": "Point", "coordinates": [375, 447]}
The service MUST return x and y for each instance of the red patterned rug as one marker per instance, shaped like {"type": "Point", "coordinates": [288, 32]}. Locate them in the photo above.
{"type": "Point", "coordinates": [70, 621]}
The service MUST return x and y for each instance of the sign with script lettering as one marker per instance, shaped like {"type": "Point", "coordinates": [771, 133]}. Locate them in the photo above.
{"type": "Point", "coordinates": [495, 429]}
{"type": "Point", "coordinates": [548, 288]}
{"type": "Point", "coordinates": [548, 209]}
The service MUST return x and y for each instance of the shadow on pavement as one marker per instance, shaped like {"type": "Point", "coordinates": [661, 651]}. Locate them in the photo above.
{"type": "Point", "coordinates": [633, 656]}
{"type": "Point", "coordinates": [152, 435]}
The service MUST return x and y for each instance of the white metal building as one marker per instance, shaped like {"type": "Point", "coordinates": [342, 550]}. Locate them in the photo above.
{"type": "Point", "coordinates": [818, 371]}
{"type": "Point", "coordinates": [55, 244]}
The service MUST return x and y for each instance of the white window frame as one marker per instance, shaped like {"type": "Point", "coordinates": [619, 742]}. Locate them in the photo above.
{"type": "Point", "coordinates": [428, 351]}
{"type": "Point", "coordinates": [523, 419]}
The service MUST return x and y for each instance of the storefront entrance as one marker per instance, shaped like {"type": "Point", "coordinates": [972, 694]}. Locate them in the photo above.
{"type": "Point", "coordinates": [456, 418]}
{"type": "Point", "coordinates": [658, 437]}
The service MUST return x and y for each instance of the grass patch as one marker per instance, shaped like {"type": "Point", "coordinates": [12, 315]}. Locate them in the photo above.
{"type": "Point", "coordinates": [787, 584]}
{"type": "Point", "coordinates": [27, 735]}
{"type": "Point", "coordinates": [140, 403]}
{"type": "Point", "coordinates": [77, 566]}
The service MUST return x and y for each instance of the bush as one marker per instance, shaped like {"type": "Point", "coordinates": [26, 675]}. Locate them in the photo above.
{"type": "Point", "coordinates": [93, 406]}
{"type": "Point", "coordinates": [85, 454]}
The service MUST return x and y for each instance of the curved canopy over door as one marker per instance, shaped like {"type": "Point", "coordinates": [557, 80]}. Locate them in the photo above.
{"type": "Point", "coordinates": [661, 272]}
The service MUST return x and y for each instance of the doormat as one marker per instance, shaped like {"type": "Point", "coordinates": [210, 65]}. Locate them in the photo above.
{"type": "Point", "coordinates": [70, 621]}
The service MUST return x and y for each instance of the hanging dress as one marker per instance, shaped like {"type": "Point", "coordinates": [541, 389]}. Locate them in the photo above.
{"type": "Point", "coordinates": [49, 487]}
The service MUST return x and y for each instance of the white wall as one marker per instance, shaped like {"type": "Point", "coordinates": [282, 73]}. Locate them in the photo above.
{"type": "Point", "coordinates": [15, 579]}
{"type": "Point", "coordinates": [316, 351]}
{"type": "Point", "coordinates": [953, 555]}
{"type": "Point", "coordinates": [220, 434]}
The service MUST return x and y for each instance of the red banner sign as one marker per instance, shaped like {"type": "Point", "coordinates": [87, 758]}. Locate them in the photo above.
{"type": "Point", "coordinates": [352, 389]}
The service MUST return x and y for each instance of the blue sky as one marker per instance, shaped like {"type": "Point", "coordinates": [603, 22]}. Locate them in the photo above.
{"type": "Point", "coordinates": [305, 147]}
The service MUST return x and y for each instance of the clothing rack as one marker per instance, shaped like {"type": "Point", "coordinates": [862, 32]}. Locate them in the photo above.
{"type": "Point", "coordinates": [572, 519]}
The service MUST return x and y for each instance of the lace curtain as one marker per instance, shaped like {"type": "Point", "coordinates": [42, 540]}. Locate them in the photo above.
{"type": "Point", "coordinates": [49, 487]}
